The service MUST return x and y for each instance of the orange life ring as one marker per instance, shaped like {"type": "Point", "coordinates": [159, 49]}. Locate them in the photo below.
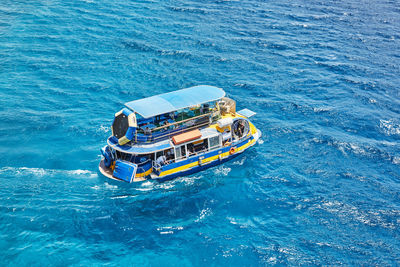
{"type": "Point", "coordinates": [232, 150]}
{"type": "Point", "coordinates": [112, 167]}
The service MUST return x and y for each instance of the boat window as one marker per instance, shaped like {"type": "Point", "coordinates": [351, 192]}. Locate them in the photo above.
{"type": "Point", "coordinates": [197, 147]}
{"type": "Point", "coordinates": [240, 128]}
{"type": "Point", "coordinates": [125, 156]}
{"type": "Point", "coordinates": [180, 152]}
{"type": "Point", "coordinates": [214, 142]}
{"type": "Point", "coordinates": [159, 154]}
{"type": "Point", "coordinates": [164, 157]}
{"type": "Point", "coordinates": [140, 159]}
{"type": "Point", "coordinates": [170, 154]}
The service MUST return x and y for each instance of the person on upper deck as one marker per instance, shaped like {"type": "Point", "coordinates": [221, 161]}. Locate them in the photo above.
{"type": "Point", "coordinates": [165, 123]}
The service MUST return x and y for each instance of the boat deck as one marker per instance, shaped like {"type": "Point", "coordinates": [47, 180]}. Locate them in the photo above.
{"type": "Point", "coordinates": [109, 173]}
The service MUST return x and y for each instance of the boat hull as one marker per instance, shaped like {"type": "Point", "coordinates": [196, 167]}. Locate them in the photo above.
{"type": "Point", "coordinates": [193, 165]}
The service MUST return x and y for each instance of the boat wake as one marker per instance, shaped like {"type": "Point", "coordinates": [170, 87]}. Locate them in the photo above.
{"type": "Point", "coordinates": [40, 172]}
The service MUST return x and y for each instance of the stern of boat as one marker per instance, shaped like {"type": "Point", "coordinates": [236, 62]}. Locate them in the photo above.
{"type": "Point", "coordinates": [257, 135]}
{"type": "Point", "coordinates": [123, 171]}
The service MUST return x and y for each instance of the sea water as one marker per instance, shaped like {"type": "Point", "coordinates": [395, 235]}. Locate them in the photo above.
{"type": "Point", "coordinates": [322, 186]}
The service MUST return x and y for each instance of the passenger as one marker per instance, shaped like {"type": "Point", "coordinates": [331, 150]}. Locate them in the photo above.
{"type": "Point", "coordinates": [170, 155]}
{"type": "Point", "coordinates": [204, 108]}
{"type": "Point", "coordinates": [190, 149]}
{"type": "Point", "coordinates": [240, 129]}
{"type": "Point", "coordinates": [165, 123]}
{"type": "Point", "coordinates": [161, 160]}
{"type": "Point", "coordinates": [201, 109]}
{"type": "Point", "coordinates": [190, 123]}
{"type": "Point", "coordinates": [203, 147]}
{"type": "Point", "coordinates": [147, 131]}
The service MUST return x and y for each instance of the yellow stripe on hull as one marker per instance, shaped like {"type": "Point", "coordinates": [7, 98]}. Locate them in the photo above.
{"type": "Point", "coordinates": [144, 174]}
{"type": "Point", "coordinates": [206, 160]}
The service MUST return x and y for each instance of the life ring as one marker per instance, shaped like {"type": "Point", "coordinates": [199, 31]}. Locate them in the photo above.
{"type": "Point", "coordinates": [232, 150]}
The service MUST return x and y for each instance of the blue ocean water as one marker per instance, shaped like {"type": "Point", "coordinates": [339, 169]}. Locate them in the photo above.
{"type": "Point", "coordinates": [322, 187]}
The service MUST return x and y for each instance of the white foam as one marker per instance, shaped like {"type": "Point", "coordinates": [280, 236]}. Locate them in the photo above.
{"type": "Point", "coordinates": [119, 197]}
{"type": "Point", "coordinates": [41, 172]}
{"type": "Point", "coordinates": [167, 185]}
{"type": "Point", "coordinates": [223, 170]}
{"type": "Point", "coordinates": [350, 147]}
{"type": "Point", "coordinates": [390, 127]}
{"type": "Point", "coordinates": [110, 186]}
{"type": "Point", "coordinates": [169, 228]}
{"type": "Point", "coordinates": [322, 109]}
{"type": "Point", "coordinates": [367, 217]}
{"type": "Point", "coordinates": [232, 220]}
{"type": "Point", "coordinates": [239, 162]}
{"type": "Point", "coordinates": [147, 184]}
{"type": "Point", "coordinates": [144, 189]}
{"type": "Point", "coordinates": [396, 160]}
{"type": "Point", "coordinates": [188, 180]}
{"type": "Point", "coordinates": [104, 129]}
{"type": "Point", "coordinates": [204, 213]}
{"type": "Point", "coordinates": [167, 233]}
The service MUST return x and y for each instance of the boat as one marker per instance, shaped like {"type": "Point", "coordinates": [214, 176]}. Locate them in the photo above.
{"type": "Point", "coordinates": [176, 134]}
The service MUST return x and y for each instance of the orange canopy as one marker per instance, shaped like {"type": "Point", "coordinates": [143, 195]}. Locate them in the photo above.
{"type": "Point", "coordinates": [186, 137]}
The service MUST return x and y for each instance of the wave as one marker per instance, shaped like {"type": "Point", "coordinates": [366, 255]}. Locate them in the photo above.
{"type": "Point", "coordinates": [345, 211]}
{"type": "Point", "coordinates": [203, 214]}
{"type": "Point", "coordinates": [221, 170]}
{"type": "Point", "coordinates": [165, 230]}
{"type": "Point", "coordinates": [144, 47]}
{"type": "Point", "coordinates": [189, 10]}
{"type": "Point", "coordinates": [41, 172]}
{"type": "Point", "coordinates": [390, 127]}
{"type": "Point", "coordinates": [362, 149]}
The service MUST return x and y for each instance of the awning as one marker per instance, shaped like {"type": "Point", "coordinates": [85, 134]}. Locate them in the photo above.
{"type": "Point", "coordinates": [168, 102]}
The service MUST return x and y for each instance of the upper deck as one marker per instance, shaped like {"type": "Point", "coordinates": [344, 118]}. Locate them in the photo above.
{"type": "Point", "coordinates": [156, 118]}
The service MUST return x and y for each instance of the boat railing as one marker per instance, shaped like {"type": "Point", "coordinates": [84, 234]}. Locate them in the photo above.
{"type": "Point", "coordinates": [143, 167]}
{"type": "Point", "coordinates": [192, 123]}
{"type": "Point", "coordinates": [181, 122]}
{"type": "Point", "coordinates": [117, 155]}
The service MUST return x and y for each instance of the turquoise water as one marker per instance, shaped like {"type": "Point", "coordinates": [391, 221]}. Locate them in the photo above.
{"type": "Point", "coordinates": [322, 187]}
